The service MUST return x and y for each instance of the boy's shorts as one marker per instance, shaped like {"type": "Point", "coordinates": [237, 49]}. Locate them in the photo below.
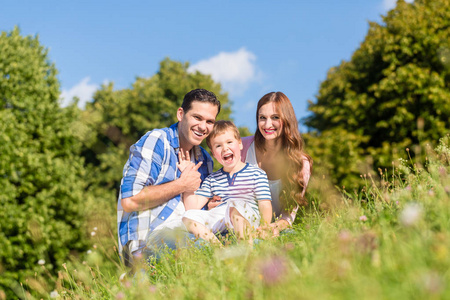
{"type": "Point", "coordinates": [218, 219]}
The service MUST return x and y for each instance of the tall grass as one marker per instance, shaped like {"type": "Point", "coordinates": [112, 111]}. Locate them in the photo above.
{"type": "Point", "coordinates": [391, 240]}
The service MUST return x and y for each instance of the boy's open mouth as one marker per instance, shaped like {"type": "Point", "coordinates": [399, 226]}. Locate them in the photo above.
{"type": "Point", "coordinates": [228, 158]}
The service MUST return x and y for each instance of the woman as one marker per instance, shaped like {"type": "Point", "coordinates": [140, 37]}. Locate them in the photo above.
{"type": "Point", "coordinates": [277, 148]}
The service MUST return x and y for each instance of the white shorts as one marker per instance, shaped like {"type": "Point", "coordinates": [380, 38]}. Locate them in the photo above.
{"type": "Point", "coordinates": [218, 219]}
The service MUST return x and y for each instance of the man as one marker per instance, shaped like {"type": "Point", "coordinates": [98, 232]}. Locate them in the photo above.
{"type": "Point", "coordinates": [151, 187]}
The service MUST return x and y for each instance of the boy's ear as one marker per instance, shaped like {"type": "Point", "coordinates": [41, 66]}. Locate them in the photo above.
{"type": "Point", "coordinates": [241, 146]}
{"type": "Point", "coordinates": [180, 114]}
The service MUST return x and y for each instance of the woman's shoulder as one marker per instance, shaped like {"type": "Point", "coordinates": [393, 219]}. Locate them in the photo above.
{"type": "Point", "coordinates": [247, 140]}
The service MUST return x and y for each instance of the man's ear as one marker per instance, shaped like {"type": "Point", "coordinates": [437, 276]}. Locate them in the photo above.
{"type": "Point", "coordinates": [180, 114]}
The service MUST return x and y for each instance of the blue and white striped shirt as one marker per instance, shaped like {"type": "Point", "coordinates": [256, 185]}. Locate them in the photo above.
{"type": "Point", "coordinates": [249, 184]}
{"type": "Point", "coordinates": [152, 161]}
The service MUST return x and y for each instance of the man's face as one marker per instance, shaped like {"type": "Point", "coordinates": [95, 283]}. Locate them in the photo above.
{"type": "Point", "coordinates": [196, 124]}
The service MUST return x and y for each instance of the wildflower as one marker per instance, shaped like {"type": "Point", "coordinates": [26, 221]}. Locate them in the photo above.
{"type": "Point", "coordinates": [120, 295]}
{"type": "Point", "coordinates": [411, 214]}
{"type": "Point", "coordinates": [273, 269]}
{"type": "Point", "coordinates": [408, 188]}
{"type": "Point", "coordinates": [344, 267]}
{"type": "Point", "coordinates": [289, 246]}
{"type": "Point", "coordinates": [363, 218]}
{"type": "Point", "coordinates": [344, 236]}
{"type": "Point", "coordinates": [152, 288]}
{"type": "Point", "coordinates": [122, 276]}
{"type": "Point", "coordinates": [94, 246]}
{"type": "Point", "coordinates": [432, 282]}
{"type": "Point", "coordinates": [93, 233]}
{"type": "Point", "coordinates": [95, 228]}
{"type": "Point", "coordinates": [54, 294]}
{"type": "Point", "coordinates": [89, 251]}
{"type": "Point", "coordinates": [232, 253]}
{"type": "Point", "coordinates": [127, 284]}
{"type": "Point", "coordinates": [41, 262]}
{"type": "Point", "coordinates": [431, 193]}
{"type": "Point", "coordinates": [367, 242]}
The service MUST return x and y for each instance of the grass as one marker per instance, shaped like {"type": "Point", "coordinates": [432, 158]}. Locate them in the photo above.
{"type": "Point", "coordinates": [389, 241]}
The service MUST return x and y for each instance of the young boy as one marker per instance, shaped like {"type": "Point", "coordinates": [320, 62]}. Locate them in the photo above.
{"type": "Point", "coordinates": [243, 189]}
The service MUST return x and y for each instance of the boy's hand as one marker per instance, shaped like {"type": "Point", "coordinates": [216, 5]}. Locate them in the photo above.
{"type": "Point", "coordinates": [184, 160]}
{"type": "Point", "coordinates": [215, 201]}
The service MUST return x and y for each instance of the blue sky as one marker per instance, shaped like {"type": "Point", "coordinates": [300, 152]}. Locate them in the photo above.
{"type": "Point", "coordinates": [251, 46]}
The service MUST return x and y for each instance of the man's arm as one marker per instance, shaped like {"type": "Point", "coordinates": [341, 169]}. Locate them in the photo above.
{"type": "Point", "coordinates": [155, 195]}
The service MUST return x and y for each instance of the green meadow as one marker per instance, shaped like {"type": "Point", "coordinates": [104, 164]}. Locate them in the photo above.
{"type": "Point", "coordinates": [390, 240]}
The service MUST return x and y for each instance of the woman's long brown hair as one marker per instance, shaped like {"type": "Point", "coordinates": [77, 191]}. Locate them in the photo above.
{"type": "Point", "coordinates": [292, 146]}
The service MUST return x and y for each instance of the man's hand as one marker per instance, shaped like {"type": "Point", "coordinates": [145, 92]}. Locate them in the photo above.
{"type": "Point", "coordinates": [154, 195]}
{"type": "Point", "coordinates": [190, 177]}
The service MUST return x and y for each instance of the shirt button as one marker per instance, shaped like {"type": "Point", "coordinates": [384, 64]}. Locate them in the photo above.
{"type": "Point", "coordinates": [162, 218]}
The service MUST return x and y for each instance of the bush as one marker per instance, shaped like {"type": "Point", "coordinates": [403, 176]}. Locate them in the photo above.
{"type": "Point", "coordinates": [41, 174]}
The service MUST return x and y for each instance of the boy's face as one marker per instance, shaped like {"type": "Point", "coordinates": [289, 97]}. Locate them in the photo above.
{"type": "Point", "coordinates": [227, 150]}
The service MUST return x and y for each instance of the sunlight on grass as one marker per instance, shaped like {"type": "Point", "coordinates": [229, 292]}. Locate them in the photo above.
{"type": "Point", "coordinates": [388, 241]}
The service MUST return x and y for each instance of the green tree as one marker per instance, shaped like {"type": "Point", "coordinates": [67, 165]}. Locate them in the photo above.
{"type": "Point", "coordinates": [392, 94]}
{"type": "Point", "coordinates": [40, 170]}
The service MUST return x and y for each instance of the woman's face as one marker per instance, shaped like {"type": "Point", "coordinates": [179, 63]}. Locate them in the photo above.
{"type": "Point", "coordinates": [269, 122]}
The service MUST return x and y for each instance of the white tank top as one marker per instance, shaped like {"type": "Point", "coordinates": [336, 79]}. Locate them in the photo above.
{"type": "Point", "coordinates": [275, 185]}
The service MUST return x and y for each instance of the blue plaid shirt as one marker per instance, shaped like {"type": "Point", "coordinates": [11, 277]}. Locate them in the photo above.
{"type": "Point", "coordinates": [152, 161]}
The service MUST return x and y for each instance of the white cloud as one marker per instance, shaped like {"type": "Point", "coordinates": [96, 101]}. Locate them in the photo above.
{"type": "Point", "coordinates": [83, 90]}
{"type": "Point", "coordinates": [234, 70]}
{"type": "Point", "coordinates": [390, 4]}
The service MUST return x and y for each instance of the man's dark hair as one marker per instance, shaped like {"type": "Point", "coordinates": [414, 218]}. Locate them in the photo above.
{"type": "Point", "coordinates": [201, 95]}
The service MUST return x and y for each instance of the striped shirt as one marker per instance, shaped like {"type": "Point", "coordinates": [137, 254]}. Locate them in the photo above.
{"type": "Point", "coordinates": [152, 161]}
{"type": "Point", "coordinates": [250, 184]}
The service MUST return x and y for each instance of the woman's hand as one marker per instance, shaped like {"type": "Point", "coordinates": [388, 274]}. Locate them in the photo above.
{"type": "Point", "coordinates": [268, 231]}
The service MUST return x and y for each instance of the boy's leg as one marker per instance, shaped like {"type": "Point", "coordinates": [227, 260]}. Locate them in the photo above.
{"type": "Point", "coordinates": [241, 226]}
{"type": "Point", "coordinates": [204, 224]}
{"type": "Point", "coordinates": [200, 231]}
{"type": "Point", "coordinates": [243, 217]}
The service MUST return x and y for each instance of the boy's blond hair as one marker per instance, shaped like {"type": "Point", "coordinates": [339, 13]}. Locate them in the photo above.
{"type": "Point", "coordinates": [220, 127]}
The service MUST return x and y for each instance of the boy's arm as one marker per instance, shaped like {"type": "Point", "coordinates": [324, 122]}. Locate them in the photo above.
{"type": "Point", "coordinates": [265, 209]}
{"type": "Point", "coordinates": [192, 201]}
